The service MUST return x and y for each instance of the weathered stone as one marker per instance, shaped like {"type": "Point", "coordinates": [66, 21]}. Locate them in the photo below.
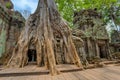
{"type": "Point", "coordinates": [7, 3]}
{"type": "Point", "coordinates": [94, 34]}
{"type": "Point", "coordinates": [10, 28]}
{"type": "Point", "coordinates": [115, 41]}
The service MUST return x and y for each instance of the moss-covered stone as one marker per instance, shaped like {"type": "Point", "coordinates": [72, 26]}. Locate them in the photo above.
{"type": "Point", "coordinates": [94, 34]}
{"type": "Point", "coordinates": [2, 41]}
{"type": "Point", "coordinates": [10, 29]}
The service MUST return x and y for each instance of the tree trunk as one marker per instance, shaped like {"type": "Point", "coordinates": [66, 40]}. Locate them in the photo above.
{"type": "Point", "coordinates": [40, 30]}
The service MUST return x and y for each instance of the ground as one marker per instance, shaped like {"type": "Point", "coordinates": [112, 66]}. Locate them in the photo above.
{"type": "Point", "coordinates": [69, 72]}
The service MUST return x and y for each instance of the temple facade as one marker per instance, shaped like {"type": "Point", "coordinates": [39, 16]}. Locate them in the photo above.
{"type": "Point", "coordinates": [94, 34]}
{"type": "Point", "coordinates": [11, 23]}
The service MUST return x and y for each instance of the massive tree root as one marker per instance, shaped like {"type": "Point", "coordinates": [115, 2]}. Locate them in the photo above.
{"type": "Point", "coordinates": [41, 31]}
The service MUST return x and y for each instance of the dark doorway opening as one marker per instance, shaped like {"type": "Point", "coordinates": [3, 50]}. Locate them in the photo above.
{"type": "Point", "coordinates": [32, 55]}
{"type": "Point", "coordinates": [101, 52]}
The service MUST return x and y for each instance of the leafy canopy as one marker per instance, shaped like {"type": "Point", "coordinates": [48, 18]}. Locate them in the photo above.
{"type": "Point", "coordinates": [108, 8]}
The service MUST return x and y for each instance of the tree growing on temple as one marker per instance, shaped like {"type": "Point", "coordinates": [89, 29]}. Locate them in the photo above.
{"type": "Point", "coordinates": [41, 30]}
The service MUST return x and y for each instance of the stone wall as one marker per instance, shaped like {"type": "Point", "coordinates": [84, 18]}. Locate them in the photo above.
{"type": "Point", "coordinates": [7, 4]}
{"type": "Point", "coordinates": [95, 37]}
{"type": "Point", "coordinates": [115, 41]}
{"type": "Point", "coordinates": [11, 24]}
{"type": "Point", "coordinates": [4, 25]}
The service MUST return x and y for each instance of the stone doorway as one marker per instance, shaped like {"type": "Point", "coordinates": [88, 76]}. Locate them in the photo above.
{"type": "Point", "coordinates": [32, 58]}
{"type": "Point", "coordinates": [102, 52]}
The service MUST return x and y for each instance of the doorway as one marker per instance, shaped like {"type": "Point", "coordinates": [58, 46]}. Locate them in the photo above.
{"type": "Point", "coordinates": [32, 55]}
{"type": "Point", "coordinates": [101, 52]}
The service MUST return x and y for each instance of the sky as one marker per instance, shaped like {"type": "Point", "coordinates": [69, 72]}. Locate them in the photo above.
{"type": "Point", "coordinates": [21, 5]}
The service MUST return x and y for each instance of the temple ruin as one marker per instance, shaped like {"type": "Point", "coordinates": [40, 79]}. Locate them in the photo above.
{"type": "Point", "coordinates": [94, 35]}
{"type": "Point", "coordinates": [42, 43]}
{"type": "Point", "coordinates": [11, 24]}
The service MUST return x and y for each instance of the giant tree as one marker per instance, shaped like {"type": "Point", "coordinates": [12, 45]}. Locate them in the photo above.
{"type": "Point", "coordinates": [41, 30]}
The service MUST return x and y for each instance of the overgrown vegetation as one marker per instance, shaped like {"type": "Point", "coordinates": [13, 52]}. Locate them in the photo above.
{"type": "Point", "coordinates": [110, 9]}
{"type": "Point", "coordinates": [8, 5]}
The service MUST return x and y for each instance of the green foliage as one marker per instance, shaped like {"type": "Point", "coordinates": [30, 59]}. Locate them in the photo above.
{"type": "Point", "coordinates": [66, 8]}
{"type": "Point", "coordinates": [107, 8]}
{"type": "Point", "coordinates": [8, 5]}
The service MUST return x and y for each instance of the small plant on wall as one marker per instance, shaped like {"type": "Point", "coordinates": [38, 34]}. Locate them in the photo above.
{"type": "Point", "coordinates": [8, 5]}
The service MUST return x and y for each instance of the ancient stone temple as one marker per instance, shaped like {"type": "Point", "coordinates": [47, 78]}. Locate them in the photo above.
{"type": "Point", "coordinates": [11, 23]}
{"type": "Point", "coordinates": [90, 27]}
